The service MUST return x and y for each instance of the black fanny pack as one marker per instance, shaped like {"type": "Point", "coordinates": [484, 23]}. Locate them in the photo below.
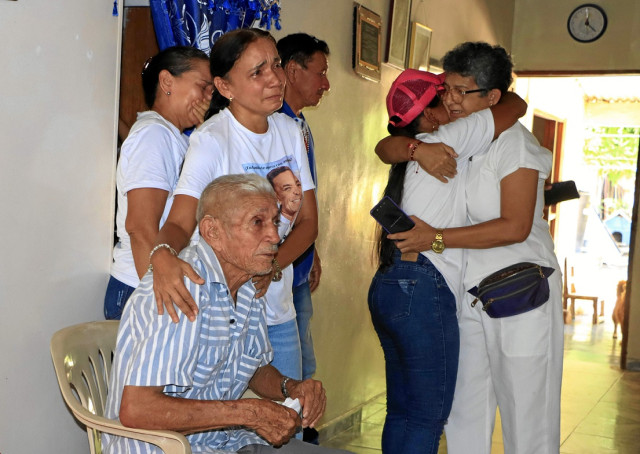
{"type": "Point", "coordinates": [513, 290]}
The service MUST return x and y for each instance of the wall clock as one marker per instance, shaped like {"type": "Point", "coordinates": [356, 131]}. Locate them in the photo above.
{"type": "Point", "coordinates": [587, 23]}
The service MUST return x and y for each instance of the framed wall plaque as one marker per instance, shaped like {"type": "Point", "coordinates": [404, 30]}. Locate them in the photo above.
{"type": "Point", "coordinates": [419, 47]}
{"type": "Point", "coordinates": [397, 38]}
{"type": "Point", "coordinates": [366, 43]}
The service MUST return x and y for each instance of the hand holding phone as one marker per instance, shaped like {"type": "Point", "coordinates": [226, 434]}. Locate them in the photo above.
{"type": "Point", "coordinates": [391, 217]}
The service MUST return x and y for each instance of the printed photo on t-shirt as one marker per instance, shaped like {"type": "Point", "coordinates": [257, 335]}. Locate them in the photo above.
{"type": "Point", "coordinates": [283, 175]}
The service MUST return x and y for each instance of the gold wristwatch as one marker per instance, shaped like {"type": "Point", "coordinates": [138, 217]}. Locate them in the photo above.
{"type": "Point", "coordinates": [437, 245]}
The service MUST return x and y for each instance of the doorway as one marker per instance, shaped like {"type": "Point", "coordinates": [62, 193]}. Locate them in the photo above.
{"type": "Point", "coordinates": [566, 114]}
{"type": "Point", "coordinates": [138, 44]}
{"type": "Point", "coordinates": [549, 132]}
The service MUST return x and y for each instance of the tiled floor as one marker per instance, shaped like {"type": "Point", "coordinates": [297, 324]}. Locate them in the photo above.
{"type": "Point", "coordinates": [600, 403]}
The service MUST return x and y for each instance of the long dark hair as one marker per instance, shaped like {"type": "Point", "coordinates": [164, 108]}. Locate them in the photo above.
{"type": "Point", "coordinates": [224, 54]}
{"type": "Point", "coordinates": [176, 60]}
{"type": "Point", "coordinates": [395, 184]}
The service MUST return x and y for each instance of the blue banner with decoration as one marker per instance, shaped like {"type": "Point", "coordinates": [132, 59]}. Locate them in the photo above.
{"type": "Point", "coordinates": [199, 23]}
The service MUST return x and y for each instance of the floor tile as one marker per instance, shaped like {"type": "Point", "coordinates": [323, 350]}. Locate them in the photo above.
{"type": "Point", "coordinates": [600, 403]}
{"type": "Point", "coordinates": [592, 444]}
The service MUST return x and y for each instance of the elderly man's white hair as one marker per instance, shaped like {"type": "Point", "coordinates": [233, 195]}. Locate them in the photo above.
{"type": "Point", "coordinates": [222, 193]}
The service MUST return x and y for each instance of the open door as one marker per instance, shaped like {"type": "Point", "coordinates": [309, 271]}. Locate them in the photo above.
{"type": "Point", "coordinates": [549, 132]}
{"type": "Point", "coordinates": [138, 44]}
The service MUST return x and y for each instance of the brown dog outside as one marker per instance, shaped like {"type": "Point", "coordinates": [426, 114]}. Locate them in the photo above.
{"type": "Point", "coordinates": [619, 309]}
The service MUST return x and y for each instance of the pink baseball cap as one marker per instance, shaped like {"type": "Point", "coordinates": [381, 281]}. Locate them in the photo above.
{"type": "Point", "coordinates": [410, 94]}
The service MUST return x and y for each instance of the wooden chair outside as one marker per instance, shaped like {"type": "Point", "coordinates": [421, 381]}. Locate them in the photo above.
{"type": "Point", "coordinates": [569, 295]}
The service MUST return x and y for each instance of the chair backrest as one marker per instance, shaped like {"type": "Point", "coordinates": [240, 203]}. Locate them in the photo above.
{"type": "Point", "coordinates": [82, 357]}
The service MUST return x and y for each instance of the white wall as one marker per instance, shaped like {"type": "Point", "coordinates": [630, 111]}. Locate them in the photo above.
{"type": "Point", "coordinates": [456, 21]}
{"type": "Point", "coordinates": [57, 89]}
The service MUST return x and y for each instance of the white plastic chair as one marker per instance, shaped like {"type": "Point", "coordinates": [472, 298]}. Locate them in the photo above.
{"type": "Point", "coordinates": [82, 356]}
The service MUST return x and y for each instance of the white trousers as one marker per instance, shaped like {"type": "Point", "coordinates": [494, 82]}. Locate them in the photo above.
{"type": "Point", "coordinates": [514, 363]}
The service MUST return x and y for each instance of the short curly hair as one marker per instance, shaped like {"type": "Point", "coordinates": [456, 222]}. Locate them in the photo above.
{"type": "Point", "coordinates": [490, 66]}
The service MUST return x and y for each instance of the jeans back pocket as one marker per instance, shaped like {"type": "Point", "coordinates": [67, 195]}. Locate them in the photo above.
{"type": "Point", "coordinates": [392, 298]}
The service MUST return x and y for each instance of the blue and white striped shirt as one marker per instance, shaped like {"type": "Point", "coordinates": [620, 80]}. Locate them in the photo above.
{"type": "Point", "coordinates": [212, 358]}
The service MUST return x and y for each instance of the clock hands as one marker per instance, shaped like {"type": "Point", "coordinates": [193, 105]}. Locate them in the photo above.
{"type": "Point", "coordinates": [586, 21]}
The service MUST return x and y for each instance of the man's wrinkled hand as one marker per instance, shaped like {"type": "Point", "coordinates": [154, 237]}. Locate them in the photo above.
{"type": "Point", "coordinates": [275, 423]}
{"type": "Point", "coordinates": [313, 400]}
{"type": "Point", "coordinates": [168, 285]}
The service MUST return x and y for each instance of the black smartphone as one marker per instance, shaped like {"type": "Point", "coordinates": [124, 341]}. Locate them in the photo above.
{"type": "Point", "coordinates": [561, 191]}
{"type": "Point", "coordinates": [391, 217]}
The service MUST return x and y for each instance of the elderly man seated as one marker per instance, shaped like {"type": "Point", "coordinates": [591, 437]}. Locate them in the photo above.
{"type": "Point", "coordinates": [189, 377]}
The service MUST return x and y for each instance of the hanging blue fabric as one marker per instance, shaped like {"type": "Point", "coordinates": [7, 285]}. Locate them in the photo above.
{"type": "Point", "coordinates": [115, 8]}
{"type": "Point", "coordinates": [199, 23]}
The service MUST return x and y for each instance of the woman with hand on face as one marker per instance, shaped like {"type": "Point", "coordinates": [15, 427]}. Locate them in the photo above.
{"type": "Point", "coordinates": [242, 135]}
{"type": "Point", "coordinates": [177, 84]}
{"type": "Point", "coordinates": [413, 296]}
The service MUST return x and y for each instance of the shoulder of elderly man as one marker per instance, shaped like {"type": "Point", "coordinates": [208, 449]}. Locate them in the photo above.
{"type": "Point", "coordinates": [310, 390]}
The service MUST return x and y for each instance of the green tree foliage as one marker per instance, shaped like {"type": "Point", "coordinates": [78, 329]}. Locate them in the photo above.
{"type": "Point", "coordinates": [613, 150]}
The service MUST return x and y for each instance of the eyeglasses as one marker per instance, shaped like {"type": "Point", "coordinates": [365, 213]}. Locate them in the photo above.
{"type": "Point", "coordinates": [456, 93]}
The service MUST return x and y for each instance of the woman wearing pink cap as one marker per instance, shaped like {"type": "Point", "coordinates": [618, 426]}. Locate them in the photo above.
{"type": "Point", "coordinates": [511, 363]}
{"type": "Point", "coordinates": [413, 296]}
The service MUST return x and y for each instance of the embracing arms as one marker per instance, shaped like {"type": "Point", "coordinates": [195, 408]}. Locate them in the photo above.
{"type": "Point", "coordinates": [518, 193]}
{"type": "Point", "coordinates": [437, 159]}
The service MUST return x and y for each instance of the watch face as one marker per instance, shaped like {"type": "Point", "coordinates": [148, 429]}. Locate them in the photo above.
{"type": "Point", "coordinates": [437, 246]}
{"type": "Point", "coordinates": [587, 23]}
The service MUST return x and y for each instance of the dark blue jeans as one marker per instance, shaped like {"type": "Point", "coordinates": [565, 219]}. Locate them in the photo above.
{"type": "Point", "coordinates": [115, 298]}
{"type": "Point", "coordinates": [414, 313]}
